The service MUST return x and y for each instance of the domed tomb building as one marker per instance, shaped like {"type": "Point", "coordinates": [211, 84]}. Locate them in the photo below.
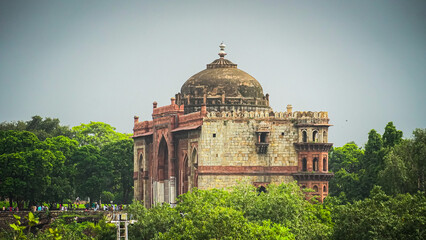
{"type": "Point", "coordinates": [220, 129]}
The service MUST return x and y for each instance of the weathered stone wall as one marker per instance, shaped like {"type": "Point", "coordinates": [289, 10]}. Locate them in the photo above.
{"type": "Point", "coordinates": [140, 166]}
{"type": "Point", "coordinates": [219, 149]}
{"type": "Point", "coordinates": [232, 142]}
{"type": "Point", "coordinates": [225, 181]}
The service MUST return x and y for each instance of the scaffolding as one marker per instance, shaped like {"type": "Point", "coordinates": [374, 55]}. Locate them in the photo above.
{"type": "Point", "coordinates": [122, 223]}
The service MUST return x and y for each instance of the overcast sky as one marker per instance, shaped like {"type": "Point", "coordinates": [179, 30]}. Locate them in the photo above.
{"type": "Point", "coordinates": [362, 61]}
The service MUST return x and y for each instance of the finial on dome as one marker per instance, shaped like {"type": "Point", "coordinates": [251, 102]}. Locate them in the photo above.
{"type": "Point", "coordinates": [222, 52]}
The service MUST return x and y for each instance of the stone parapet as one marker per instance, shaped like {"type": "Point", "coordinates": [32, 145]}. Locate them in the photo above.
{"type": "Point", "coordinates": [141, 128]}
{"type": "Point", "coordinates": [190, 119]}
{"type": "Point", "coordinates": [299, 118]}
{"type": "Point", "coordinates": [227, 181]}
{"type": "Point", "coordinates": [167, 110]}
{"type": "Point", "coordinates": [247, 170]}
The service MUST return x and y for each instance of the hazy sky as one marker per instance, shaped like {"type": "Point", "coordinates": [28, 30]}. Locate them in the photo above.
{"type": "Point", "coordinates": [362, 61]}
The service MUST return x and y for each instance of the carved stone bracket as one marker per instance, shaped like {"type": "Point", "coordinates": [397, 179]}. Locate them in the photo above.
{"type": "Point", "coordinates": [312, 176]}
{"type": "Point", "coordinates": [312, 147]}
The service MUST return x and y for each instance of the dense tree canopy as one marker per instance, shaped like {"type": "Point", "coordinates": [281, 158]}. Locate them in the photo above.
{"type": "Point", "coordinates": [120, 154]}
{"type": "Point", "coordinates": [382, 217]}
{"type": "Point", "coordinates": [47, 128]}
{"type": "Point", "coordinates": [96, 134]}
{"type": "Point", "coordinates": [395, 164]}
{"type": "Point", "coordinates": [26, 168]}
{"type": "Point", "coordinates": [378, 191]}
{"type": "Point", "coordinates": [42, 163]}
{"type": "Point", "coordinates": [239, 213]}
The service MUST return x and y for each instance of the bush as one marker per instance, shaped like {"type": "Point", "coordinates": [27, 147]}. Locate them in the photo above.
{"type": "Point", "coordinates": [242, 212]}
{"type": "Point", "coordinates": [382, 217]}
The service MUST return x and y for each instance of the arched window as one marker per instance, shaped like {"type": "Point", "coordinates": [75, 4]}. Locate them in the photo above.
{"type": "Point", "coordinates": [315, 188]}
{"type": "Point", "coordinates": [304, 165]}
{"type": "Point", "coordinates": [324, 164]}
{"type": "Point", "coordinates": [194, 156]}
{"type": "Point", "coordinates": [304, 136]}
{"type": "Point", "coordinates": [140, 162]}
{"type": "Point", "coordinates": [324, 189]}
{"type": "Point", "coordinates": [324, 137]}
{"type": "Point", "coordinates": [315, 164]}
{"type": "Point", "coordinates": [194, 159]}
{"type": "Point", "coordinates": [314, 136]}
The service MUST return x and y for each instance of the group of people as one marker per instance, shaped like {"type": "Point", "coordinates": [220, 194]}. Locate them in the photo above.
{"type": "Point", "coordinates": [75, 206]}
{"type": "Point", "coordinates": [40, 208]}
{"type": "Point", "coordinates": [10, 209]}
{"type": "Point", "coordinates": [105, 207]}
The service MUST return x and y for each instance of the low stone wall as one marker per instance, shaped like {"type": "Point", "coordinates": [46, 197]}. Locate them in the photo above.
{"type": "Point", "coordinates": [46, 217]}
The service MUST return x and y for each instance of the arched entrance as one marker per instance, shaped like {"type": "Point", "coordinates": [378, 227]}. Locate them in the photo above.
{"type": "Point", "coordinates": [162, 184]}
{"type": "Point", "coordinates": [163, 161]}
{"type": "Point", "coordinates": [186, 173]}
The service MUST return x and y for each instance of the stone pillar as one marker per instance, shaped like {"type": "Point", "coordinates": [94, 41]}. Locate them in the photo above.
{"type": "Point", "coordinates": [172, 189]}
{"type": "Point", "coordinates": [289, 108]}
{"type": "Point", "coordinates": [203, 111]}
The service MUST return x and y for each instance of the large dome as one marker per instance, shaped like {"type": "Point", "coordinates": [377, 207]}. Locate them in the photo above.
{"type": "Point", "coordinates": [223, 87]}
{"type": "Point", "coordinates": [222, 77]}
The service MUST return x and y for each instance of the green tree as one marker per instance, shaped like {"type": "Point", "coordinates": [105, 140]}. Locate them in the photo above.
{"type": "Point", "coordinates": [12, 176]}
{"type": "Point", "coordinates": [346, 157]}
{"type": "Point", "coordinates": [64, 170]}
{"type": "Point", "coordinates": [382, 217]}
{"type": "Point", "coordinates": [284, 204]}
{"type": "Point", "coordinates": [93, 172]}
{"type": "Point", "coordinates": [405, 169]}
{"type": "Point", "coordinates": [96, 134]}
{"type": "Point", "coordinates": [47, 128]}
{"type": "Point", "coordinates": [391, 136]}
{"type": "Point", "coordinates": [39, 172]}
{"type": "Point", "coordinates": [345, 163]}
{"type": "Point", "coordinates": [15, 125]}
{"type": "Point", "coordinates": [17, 141]}
{"type": "Point", "coordinates": [120, 154]}
{"type": "Point", "coordinates": [25, 172]}
{"type": "Point", "coordinates": [418, 165]}
{"type": "Point", "coordinates": [371, 163]}
{"type": "Point", "coordinates": [223, 223]}
{"type": "Point", "coordinates": [107, 196]}
{"type": "Point", "coordinates": [150, 222]}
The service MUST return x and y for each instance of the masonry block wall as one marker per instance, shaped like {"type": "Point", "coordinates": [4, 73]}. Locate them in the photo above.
{"type": "Point", "coordinates": [175, 153]}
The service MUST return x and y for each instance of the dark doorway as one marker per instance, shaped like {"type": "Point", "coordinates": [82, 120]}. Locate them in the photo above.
{"type": "Point", "coordinates": [163, 161]}
{"type": "Point", "coordinates": [304, 165]}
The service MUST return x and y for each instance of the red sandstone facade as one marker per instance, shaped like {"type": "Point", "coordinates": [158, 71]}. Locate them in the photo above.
{"type": "Point", "coordinates": [228, 133]}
